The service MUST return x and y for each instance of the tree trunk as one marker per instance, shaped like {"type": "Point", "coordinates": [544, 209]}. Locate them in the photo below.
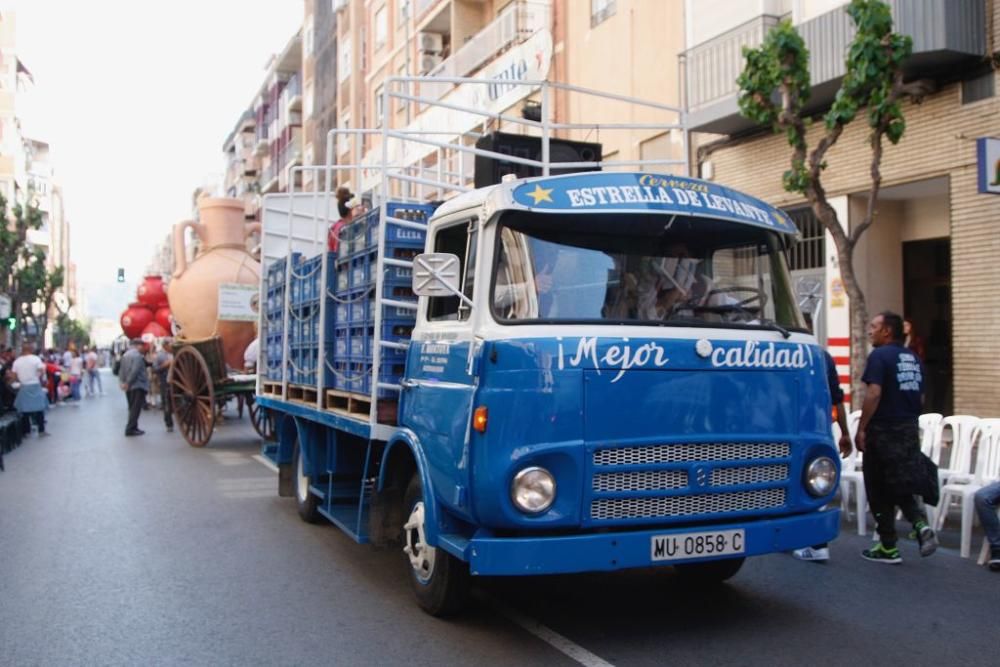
{"type": "Point", "coordinates": [858, 318]}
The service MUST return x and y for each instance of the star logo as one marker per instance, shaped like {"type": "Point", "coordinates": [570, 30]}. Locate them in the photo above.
{"type": "Point", "coordinates": [540, 194]}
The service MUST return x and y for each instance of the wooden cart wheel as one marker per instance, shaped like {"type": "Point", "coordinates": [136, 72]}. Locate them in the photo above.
{"type": "Point", "coordinates": [193, 396]}
{"type": "Point", "coordinates": [261, 419]}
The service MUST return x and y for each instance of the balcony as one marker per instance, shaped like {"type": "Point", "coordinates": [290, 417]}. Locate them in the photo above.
{"type": "Point", "coordinates": [517, 22]}
{"type": "Point", "coordinates": [946, 35]}
{"type": "Point", "coordinates": [291, 96]}
{"type": "Point", "coordinates": [269, 178]}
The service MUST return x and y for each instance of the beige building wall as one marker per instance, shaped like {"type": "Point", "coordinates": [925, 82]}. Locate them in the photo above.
{"type": "Point", "coordinates": [939, 142]}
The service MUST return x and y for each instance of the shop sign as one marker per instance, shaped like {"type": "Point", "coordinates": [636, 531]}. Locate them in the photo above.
{"type": "Point", "coordinates": [837, 293]}
{"type": "Point", "coordinates": [988, 164]}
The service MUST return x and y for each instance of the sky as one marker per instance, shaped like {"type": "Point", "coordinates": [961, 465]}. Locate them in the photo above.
{"type": "Point", "coordinates": [136, 98]}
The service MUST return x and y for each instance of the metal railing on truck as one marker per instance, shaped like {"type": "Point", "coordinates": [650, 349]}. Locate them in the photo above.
{"type": "Point", "coordinates": [424, 161]}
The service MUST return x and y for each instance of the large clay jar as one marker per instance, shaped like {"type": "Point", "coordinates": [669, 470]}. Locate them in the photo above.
{"type": "Point", "coordinates": [222, 258]}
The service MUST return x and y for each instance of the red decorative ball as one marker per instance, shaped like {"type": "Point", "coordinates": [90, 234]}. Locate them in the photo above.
{"type": "Point", "coordinates": [151, 292]}
{"type": "Point", "coordinates": [155, 329]}
{"type": "Point", "coordinates": [162, 317]}
{"type": "Point", "coordinates": [135, 318]}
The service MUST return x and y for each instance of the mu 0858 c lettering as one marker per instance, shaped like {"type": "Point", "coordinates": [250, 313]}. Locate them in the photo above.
{"type": "Point", "coordinates": [697, 545]}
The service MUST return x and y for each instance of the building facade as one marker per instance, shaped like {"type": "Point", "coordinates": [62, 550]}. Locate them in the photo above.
{"type": "Point", "coordinates": [933, 252]}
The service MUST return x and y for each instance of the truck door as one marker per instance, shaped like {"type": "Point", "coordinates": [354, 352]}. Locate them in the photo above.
{"type": "Point", "coordinates": [439, 386]}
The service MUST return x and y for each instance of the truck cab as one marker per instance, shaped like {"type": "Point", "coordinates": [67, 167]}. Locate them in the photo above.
{"type": "Point", "coordinates": [608, 370]}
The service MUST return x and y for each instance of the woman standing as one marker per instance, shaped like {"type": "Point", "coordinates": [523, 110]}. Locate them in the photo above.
{"type": "Point", "coordinates": [31, 401]}
{"type": "Point", "coordinates": [913, 342]}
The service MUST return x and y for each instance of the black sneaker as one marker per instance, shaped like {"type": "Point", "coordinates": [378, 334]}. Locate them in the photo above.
{"type": "Point", "coordinates": [879, 554]}
{"type": "Point", "coordinates": [994, 562]}
{"type": "Point", "coordinates": [927, 540]}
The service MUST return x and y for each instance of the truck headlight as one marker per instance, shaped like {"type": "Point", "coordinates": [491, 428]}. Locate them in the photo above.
{"type": "Point", "coordinates": [821, 476]}
{"type": "Point", "coordinates": [533, 490]}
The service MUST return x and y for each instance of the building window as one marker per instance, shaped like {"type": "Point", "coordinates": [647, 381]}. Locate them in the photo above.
{"type": "Point", "coordinates": [307, 37]}
{"type": "Point", "coordinates": [978, 88]}
{"type": "Point", "coordinates": [343, 137]}
{"type": "Point", "coordinates": [381, 27]}
{"type": "Point", "coordinates": [601, 10]}
{"type": "Point", "coordinates": [345, 60]}
{"type": "Point", "coordinates": [810, 250]}
{"type": "Point", "coordinates": [379, 106]}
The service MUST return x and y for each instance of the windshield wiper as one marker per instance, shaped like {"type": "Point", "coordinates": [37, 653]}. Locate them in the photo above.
{"type": "Point", "coordinates": [774, 326]}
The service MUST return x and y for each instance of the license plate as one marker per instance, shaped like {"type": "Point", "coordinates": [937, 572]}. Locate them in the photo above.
{"type": "Point", "coordinates": [697, 545]}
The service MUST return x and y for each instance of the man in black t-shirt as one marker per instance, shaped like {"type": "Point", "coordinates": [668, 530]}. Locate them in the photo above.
{"type": "Point", "coordinates": [888, 434]}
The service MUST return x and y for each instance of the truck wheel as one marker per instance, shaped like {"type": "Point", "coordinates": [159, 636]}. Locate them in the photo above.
{"type": "Point", "coordinates": [439, 580]}
{"type": "Point", "coordinates": [712, 572]}
{"type": "Point", "coordinates": [307, 503]}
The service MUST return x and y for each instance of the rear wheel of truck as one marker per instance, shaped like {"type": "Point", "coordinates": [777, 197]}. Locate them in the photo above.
{"type": "Point", "coordinates": [307, 503]}
{"type": "Point", "coordinates": [439, 580]}
{"type": "Point", "coordinates": [712, 572]}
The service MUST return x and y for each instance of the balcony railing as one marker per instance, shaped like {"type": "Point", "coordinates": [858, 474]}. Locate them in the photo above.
{"type": "Point", "coordinates": [291, 96]}
{"type": "Point", "coordinates": [712, 67]}
{"type": "Point", "coordinates": [947, 35]}
{"type": "Point", "coordinates": [517, 22]}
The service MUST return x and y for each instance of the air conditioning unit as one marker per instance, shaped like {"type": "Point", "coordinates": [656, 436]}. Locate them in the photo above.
{"type": "Point", "coordinates": [428, 61]}
{"type": "Point", "coordinates": [339, 4]}
{"type": "Point", "coordinates": [430, 42]}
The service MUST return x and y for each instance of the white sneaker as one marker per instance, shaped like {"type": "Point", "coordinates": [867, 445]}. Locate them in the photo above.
{"type": "Point", "coordinates": [812, 553]}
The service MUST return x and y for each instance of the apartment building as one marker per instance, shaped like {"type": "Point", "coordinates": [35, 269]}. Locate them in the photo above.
{"type": "Point", "coordinates": [932, 253]}
{"type": "Point", "coordinates": [15, 80]}
{"type": "Point", "coordinates": [267, 140]}
{"type": "Point", "coordinates": [625, 47]}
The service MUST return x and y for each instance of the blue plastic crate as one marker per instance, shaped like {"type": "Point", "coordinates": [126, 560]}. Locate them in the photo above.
{"type": "Point", "coordinates": [395, 234]}
{"type": "Point", "coordinates": [390, 372]}
{"type": "Point", "coordinates": [341, 343]}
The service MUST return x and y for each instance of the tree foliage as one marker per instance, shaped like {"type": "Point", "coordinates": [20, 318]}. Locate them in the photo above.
{"type": "Point", "coordinates": [774, 91]}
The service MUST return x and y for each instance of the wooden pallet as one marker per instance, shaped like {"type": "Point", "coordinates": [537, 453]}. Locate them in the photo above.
{"type": "Point", "coordinates": [302, 394]}
{"type": "Point", "coordinates": [359, 406]}
{"type": "Point", "coordinates": [271, 389]}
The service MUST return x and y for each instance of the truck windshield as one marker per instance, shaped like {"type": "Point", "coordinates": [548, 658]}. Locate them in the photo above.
{"type": "Point", "coordinates": [682, 273]}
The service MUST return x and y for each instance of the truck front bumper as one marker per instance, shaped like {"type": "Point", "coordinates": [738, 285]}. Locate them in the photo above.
{"type": "Point", "coordinates": [492, 556]}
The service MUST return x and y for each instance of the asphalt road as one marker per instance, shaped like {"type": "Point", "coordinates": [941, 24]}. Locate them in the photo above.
{"type": "Point", "coordinates": [144, 551]}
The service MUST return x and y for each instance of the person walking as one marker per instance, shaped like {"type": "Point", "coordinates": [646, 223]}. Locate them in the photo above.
{"type": "Point", "coordinates": [30, 401]}
{"type": "Point", "coordinates": [93, 373]}
{"type": "Point", "coordinates": [889, 436]}
{"type": "Point", "coordinates": [75, 375]}
{"type": "Point", "coordinates": [161, 366]}
{"type": "Point", "coordinates": [135, 382]}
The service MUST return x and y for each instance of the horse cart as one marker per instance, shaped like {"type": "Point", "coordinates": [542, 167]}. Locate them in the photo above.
{"type": "Point", "coordinates": [200, 386]}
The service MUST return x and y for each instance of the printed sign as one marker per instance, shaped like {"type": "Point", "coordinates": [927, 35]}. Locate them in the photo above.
{"type": "Point", "coordinates": [988, 163]}
{"type": "Point", "coordinates": [238, 302]}
{"type": "Point", "coordinates": [650, 192]}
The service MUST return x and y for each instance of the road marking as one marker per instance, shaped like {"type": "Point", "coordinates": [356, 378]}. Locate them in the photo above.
{"type": "Point", "coordinates": [265, 462]}
{"type": "Point", "coordinates": [552, 638]}
{"type": "Point", "coordinates": [229, 458]}
{"type": "Point", "coordinates": [250, 487]}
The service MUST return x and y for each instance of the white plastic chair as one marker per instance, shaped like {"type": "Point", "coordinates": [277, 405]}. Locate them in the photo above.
{"type": "Point", "coordinates": [851, 476]}
{"type": "Point", "coordinates": [963, 428]}
{"type": "Point", "coordinates": [987, 436]}
{"type": "Point", "coordinates": [930, 432]}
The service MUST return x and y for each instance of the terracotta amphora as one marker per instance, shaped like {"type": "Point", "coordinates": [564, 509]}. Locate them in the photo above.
{"type": "Point", "coordinates": [194, 291]}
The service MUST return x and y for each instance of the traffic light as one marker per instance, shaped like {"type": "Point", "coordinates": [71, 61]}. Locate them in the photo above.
{"type": "Point", "coordinates": [11, 323]}
{"type": "Point", "coordinates": [121, 275]}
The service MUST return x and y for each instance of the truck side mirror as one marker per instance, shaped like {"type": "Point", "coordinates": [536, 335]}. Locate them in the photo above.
{"type": "Point", "coordinates": [436, 274]}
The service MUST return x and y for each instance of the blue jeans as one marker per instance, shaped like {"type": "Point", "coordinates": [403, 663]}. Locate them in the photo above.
{"type": "Point", "coordinates": [987, 504]}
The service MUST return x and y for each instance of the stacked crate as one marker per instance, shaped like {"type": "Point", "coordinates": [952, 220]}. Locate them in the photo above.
{"type": "Point", "coordinates": [354, 297]}
{"type": "Point", "coordinates": [305, 323]}
{"type": "Point", "coordinates": [274, 309]}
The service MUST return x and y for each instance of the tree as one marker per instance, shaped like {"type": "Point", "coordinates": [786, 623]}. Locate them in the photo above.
{"type": "Point", "coordinates": [774, 88]}
{"type": "Point", "coordinates": [71, 331]}
{"type": "Point", "coordinates": [22, 265]}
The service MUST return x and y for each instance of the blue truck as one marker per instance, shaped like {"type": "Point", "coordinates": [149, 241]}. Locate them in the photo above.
{"type": "Point", "coordinates": [558, 374]}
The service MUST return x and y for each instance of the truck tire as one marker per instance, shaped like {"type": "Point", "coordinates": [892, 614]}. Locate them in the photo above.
{"type": "Point", "coordinates": [440, 581]}
{"type": "Point", "coordinates": [307, 503]}
{"type": "Point", "coordinates": [711, 572]}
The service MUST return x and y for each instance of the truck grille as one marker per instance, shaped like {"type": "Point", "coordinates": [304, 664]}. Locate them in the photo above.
{"type": "Point", "coordinates": [704, 503]}
{"type": "Point", "coordinates": [673, 468]}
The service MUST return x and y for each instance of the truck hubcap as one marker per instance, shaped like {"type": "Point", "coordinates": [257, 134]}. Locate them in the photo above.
{"type": "Point", "coordinates": [420, 554]}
